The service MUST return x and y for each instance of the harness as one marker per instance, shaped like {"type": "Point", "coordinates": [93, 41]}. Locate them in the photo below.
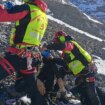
{"type": "Point", "coordinates": [29, 53]}
{"type": "Point", "coordinates": [25, 52]}
{"type": "Point", "coordinates": [8, 67]}
{"type": "Point", "coordinates": [87, 75]}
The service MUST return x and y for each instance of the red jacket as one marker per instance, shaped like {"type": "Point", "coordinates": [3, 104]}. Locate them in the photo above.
{"type": "Point", "coordinates": [16, 13]}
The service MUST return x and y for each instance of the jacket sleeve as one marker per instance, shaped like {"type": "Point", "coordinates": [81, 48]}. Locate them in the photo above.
{"type": "Point", "coordinates": [16, 13]}
{"type": "Point", "coordinates": [56, 46]}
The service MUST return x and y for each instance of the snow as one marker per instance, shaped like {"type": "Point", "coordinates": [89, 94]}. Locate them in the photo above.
{"type": "Point", "coordinates": [91, 7]}
{"type": "Point", "coordinates": [103, 48]}
{"type": "Point", "coordinates": [75, 102]}
{"type": "Point", "coordinates": [72, 5]}
{"type": "Point", "coordinates": [3, 38]}
{"type": "Point", "coordinates": [25, 99]}
{"type": "Point", "coordinates": [6, 23]}
{"type": "Point", "coordinates": [18, 2]}
{"type": "Point", "coordinates": [100, 15]}
{"type": "Point", "coordinates": [100, 63]}
{"type": "Point", "coordinates": [63, 2]}
{"type": "Point", "coordinates": [93, 20]}
{"type": "Point", "coordinates": [75, 29]}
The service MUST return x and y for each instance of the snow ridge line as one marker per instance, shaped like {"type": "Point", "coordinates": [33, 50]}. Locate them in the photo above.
{"type": "Point", "coordinates": [75, 29]}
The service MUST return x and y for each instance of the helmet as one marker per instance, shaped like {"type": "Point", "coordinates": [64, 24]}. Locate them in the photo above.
{"type": "Point", "coordinates": [59, 36]}
{"type": "Point", "coordinates": [60, 33]}
{"type": "Point", "coordinates": [40, 3]}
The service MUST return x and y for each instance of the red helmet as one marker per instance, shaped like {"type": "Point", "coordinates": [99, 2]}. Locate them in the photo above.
{"type": "Point", "coordinates": [59, 33]}
{"type": "Point", "coordinates": [40, 3]}
{"type": "Point", "coordinates": [59, 36]}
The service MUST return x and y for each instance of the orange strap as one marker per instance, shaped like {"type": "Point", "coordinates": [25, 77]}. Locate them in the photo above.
{"type": "Point", "coordinates": [19, 52]}
{"type": "Point", "coordinates": [32, 71]}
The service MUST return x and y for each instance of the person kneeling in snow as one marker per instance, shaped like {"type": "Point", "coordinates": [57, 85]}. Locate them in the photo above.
{"type": "Point", "coordinates": [80, 63]}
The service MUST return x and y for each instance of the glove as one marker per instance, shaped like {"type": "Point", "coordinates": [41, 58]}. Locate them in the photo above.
{"type": "Point", "coordinates": [46, 54]}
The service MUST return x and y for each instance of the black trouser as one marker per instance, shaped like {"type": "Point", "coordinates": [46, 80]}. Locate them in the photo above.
{"type": "Point", "coordinates": [87, 91]}
{"type": "Point", "coordinates": [47, 74]}
{"type": "Point", "coordinates": [13, 60]}
{"type": "Point", "coordinates": [29, 79]}
{"type": "Point", "coordinates": [101, 94]}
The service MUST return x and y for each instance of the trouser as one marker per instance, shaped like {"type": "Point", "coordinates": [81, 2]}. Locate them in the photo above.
{"type": "Point", "coordinates": [29, 79]}
{"type": "Point", "coordinates": [13, 60]}
{"type": "Point", "coordinates": [87, 90]}
{"type": "Point", "coordinates": [27, 84]}
{"type": "Point", "coordinates": [47, 75]}
{"type": "Point", "coordinates": [101, 94]}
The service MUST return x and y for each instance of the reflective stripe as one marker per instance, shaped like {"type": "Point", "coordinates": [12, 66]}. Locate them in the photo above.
{"type": "Point", "coordinates": [76, 66]}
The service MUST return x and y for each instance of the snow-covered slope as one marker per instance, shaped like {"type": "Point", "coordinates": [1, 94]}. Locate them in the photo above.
{"type": "Point", "coordinates": [89, 32]}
